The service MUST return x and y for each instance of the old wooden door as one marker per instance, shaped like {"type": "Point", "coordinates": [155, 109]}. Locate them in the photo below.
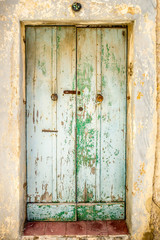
{"type": "Point", "coordinates": [76, 123]}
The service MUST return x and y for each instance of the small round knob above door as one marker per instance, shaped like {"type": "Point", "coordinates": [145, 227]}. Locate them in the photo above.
{"type": "Point", "coordinates": [99, 98]}
{"type": "Point", "coordinates": [54, 97]}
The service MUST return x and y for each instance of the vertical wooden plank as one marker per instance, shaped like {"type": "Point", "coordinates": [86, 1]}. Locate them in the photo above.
{"type": "Point", "coordinates": [86, 117]}
{"type": "Point", "coordinates": [51, 58]}
{"type": "Point", "coordinates": [66, 70]}
{"type": "Point", "coordinates": [39, 115]}
{"type": "Point", "coordinates": [113, 124]}
{"type": "Point", "coordinates": [98, 115]}
{"type": "Point", "coordinates": [30, 75]}
{"type": "Point", "coordinates": [54, 113]}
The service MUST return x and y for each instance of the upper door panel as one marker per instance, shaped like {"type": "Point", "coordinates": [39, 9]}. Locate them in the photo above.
{"type": "Point", "coordinates": [51, 68]}
{"type": "Point", "coordinates": [101, 122]}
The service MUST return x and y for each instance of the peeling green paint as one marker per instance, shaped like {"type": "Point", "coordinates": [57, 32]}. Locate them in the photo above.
{"type": "Point", "coordinates": [42, 66]}
{"type": "Point", "coordinates": [101, 212]}
{"type": "Point", "coordinates": [58, 41]}
{"type": "Point", "coordinates": [51, 212]}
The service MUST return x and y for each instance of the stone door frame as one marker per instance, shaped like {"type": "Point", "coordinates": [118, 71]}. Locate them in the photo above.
{"type": "Point", "coordinates": [133, 188]}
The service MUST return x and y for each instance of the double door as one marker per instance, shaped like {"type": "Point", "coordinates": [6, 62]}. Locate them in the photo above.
{"type": "Point", "coordinates": [75, 123]}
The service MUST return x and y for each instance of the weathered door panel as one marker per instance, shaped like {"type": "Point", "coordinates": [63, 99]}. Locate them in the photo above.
{"type": "Point", "coordinates": [51, 212]}
{"type": "Point", "coordinates": [101, 211]}
{"type": "Point", "coordinates": [113, 115]}
{"type": "Point", "coordinates": [51, 67]}
{"type": "Point", "coordinates": [87, 159]}
{"type": "Point", "coordinates": [101, 126]}
{"type": "Point", "coordinates": [39, 114]}
{"type": "Point", "coordinates": [66, 105]}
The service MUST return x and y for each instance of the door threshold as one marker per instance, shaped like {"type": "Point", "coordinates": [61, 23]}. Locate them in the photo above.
{"type": "Point", "coordinates": [111, 229]}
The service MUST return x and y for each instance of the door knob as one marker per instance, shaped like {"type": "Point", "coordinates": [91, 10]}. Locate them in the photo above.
{"type": "Point", "coordinates": [54, 97]}
{"type": "Point", "coordinates": [99, 98]}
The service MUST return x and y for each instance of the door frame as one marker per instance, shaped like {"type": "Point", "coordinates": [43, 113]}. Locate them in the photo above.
{"type": "Point", "coordinates": [130, 100]}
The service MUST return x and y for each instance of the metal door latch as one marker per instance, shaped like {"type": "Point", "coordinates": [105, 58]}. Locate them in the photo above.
{"type": "Point", "coordinates": [48, 130]}
{"type": "Point", "coordinates": [71, 92]}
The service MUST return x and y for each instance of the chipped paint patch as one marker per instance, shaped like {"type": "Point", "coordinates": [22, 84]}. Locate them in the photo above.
{"type": "Point", "coordinates": [142, 171]}
{"type": "Point", "coordinates": [139, 95]}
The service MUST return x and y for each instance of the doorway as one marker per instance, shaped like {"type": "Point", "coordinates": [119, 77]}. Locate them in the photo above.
{"type": "Point", "coordinates": [76, 123]}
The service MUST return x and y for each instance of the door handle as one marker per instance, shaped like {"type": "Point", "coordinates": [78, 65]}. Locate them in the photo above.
{"type": "Point", "coordinates": [99, 98]}
{"type": "Point", "coordinates": [71, 92]}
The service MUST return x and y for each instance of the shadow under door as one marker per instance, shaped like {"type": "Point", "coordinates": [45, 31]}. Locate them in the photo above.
{"type": "Point", "coordinates": [76, 123]}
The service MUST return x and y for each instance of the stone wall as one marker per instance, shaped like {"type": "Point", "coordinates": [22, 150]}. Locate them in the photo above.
{"type": "Point", "coordinates": [155, 221]}
{"type": "Point", "coordinates": [142, 118]}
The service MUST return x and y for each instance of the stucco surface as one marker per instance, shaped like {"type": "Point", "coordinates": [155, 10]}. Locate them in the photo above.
{"type": "Point", "coordinates": [142, 103]}
{"type": "Point", "coordinates": [156, 187]}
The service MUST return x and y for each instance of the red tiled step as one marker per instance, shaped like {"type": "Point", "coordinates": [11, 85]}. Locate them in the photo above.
{"type": "Point", "coordinates": [94, 228]}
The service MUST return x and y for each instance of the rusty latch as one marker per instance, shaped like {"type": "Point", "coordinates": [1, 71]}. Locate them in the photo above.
{"type": "Point", "coordinates": [48, 130]}
{"type": "Point", "coordinates": [71, 92]}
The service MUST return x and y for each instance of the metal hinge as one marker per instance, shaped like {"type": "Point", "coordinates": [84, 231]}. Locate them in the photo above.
{"type": "Point", "coordinates": [130, 69]}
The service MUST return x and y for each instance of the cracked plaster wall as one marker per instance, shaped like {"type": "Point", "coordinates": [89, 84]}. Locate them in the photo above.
{"type": "Point", "coordinates": [142, 103]}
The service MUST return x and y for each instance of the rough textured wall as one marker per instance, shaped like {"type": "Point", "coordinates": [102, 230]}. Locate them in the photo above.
{"type": "Point", "coordinates": [156, 193]}
{"type": "Point", "coordinates": [142, 103]}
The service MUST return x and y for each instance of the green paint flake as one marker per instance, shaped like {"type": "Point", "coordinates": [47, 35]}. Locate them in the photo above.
{"type": "Point", "coordinates": [102, 53]}
{"type": "Point", "coordinates": [106, 134]}
{"type": "Point", "coordinates": [85, 141]}
{"type": "Point", "coordinates": [88, 118]}
{"type": "Point", "coordinates": [74, 83]}
{"type": "Point", "coordinates": [103, 82]}
{"type": "Point", "coordinates": [51, 212]}
{"type": "Point", "coordinates": [58, 41]}
{"type": "Point", "coordinates": [118, 68]}
{"type": "Point", "coordinates": [110, 60]}
{"type": "Point", "coordinates": [101, 212]}
{"type": "Point", "coordinates": [84, 77]}
{"type": "Point", "coordinates": [116, 152]}
{"type": "Point", "coordinates": [107, 56]}
{"type": "Point", "coordinates": [42, 67]}
{"type": "Point", "coordinates": [71, 125]}
{"type": "Point", "coordinates": [103, 117]}
{"type": "Point", "coordinates": [85, 133]}
{"type": "Point", "coordinates": [99, 116]}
